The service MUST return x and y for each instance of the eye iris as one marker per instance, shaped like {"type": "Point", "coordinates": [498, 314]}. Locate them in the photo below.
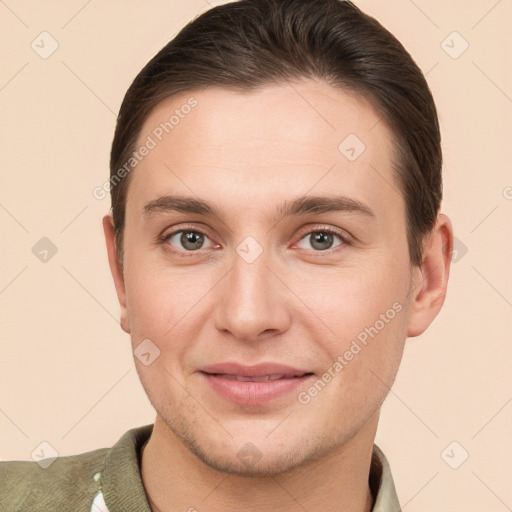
{"type": "Point", "coordinates": [191, 240]}
{"type": "Point", "coordinates": [321, 237]}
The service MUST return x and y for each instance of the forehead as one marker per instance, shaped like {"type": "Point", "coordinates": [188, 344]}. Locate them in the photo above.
{"type": "Point", "coordinates": [305, 111]}
{"type": "Point", "coordinates": [289, 137]}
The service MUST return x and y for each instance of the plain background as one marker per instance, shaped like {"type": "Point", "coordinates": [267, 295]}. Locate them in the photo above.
{"type": "Point", "coordinates": [67, 374]}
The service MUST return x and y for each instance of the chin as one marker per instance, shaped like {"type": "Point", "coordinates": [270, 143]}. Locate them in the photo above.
{"type": "Point", "coordinates": [250, 461]}
{"type": "Point", "coordinates": [261, 457]}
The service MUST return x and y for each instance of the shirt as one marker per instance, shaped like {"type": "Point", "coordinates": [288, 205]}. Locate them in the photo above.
{"type": "Point", "coordinates": [109, 480]}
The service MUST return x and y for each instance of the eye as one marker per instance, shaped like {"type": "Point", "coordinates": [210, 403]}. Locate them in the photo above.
{"type": "Point", "coordinates": [189, 240]}
{"type": "Point", "coordinates": [323, 239]}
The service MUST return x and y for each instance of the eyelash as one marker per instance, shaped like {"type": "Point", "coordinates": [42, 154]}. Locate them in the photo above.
{"type": "Point", "coordinates": [345, 238]}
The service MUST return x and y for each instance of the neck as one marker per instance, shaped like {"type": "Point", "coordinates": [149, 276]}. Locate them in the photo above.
{"type": "Point", "coordinates": [175, 479]}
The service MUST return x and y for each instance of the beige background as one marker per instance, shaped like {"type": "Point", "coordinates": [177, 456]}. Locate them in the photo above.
{"type": "Point", "coordinates": [67, 375]}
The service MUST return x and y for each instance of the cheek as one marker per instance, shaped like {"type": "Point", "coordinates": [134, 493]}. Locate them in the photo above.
{"type": "Point", "coordinates": [362, 314]}
{"type": "Point", "coordinates": [157, 307]}
{"type": "Point", "coordinates": [148, 306]}
{"type": "Point", "coordinates": [166, 304]}
{"type": "Point", "coordinates": [151, 290]}
{"type": "Point", "coordinates": [350, 299]}
{"type": "Point", "coordinates": [361, 359]}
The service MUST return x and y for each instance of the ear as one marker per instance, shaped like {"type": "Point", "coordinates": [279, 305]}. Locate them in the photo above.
{"type": "Point", "coordinates": [117, 274]}
{"type": "Point", "coordinates": [431, 278]}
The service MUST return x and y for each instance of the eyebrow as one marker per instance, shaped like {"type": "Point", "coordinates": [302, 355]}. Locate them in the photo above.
{"type": "Point", "coordinates": [300, 206]}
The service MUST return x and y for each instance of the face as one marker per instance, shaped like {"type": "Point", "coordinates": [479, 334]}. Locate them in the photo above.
{"type": "Point", "coordinates": [299, 270]}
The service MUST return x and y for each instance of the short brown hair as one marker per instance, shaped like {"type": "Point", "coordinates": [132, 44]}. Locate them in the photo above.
{"type": "Point", "coordinates": [250, 43]}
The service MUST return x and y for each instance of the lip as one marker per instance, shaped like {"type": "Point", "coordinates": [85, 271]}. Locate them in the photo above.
{"type": "Point", "coordinates": [220, 377]}
{"type": "Point", "coordinates": [257, 370]}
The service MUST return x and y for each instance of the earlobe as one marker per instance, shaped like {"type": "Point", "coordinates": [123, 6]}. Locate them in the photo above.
{"type": "Point", "coordinates": [431, 278]}
{"type": "Point", "coordinates": [117, 274]}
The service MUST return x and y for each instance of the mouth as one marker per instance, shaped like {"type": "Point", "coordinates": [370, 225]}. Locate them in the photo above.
{"type": "Point", "coordinates": [254, 385]}
{"type": "Point", "coordinates": [264, 378]}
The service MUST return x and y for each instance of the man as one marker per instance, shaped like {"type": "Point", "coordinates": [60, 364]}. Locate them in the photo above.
{"type": "Point", "coordinates": [275, 237]}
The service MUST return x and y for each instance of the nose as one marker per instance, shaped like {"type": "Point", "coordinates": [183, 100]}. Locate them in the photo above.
{"type": "Point", "coordinates": [252, 302]}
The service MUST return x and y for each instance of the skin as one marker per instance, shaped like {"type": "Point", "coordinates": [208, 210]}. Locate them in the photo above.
{"type": "Point", "coordinates": [295, 304]}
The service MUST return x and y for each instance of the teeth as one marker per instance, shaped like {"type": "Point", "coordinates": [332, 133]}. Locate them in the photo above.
{"type": "Point", "coordinates": [254, 379]}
